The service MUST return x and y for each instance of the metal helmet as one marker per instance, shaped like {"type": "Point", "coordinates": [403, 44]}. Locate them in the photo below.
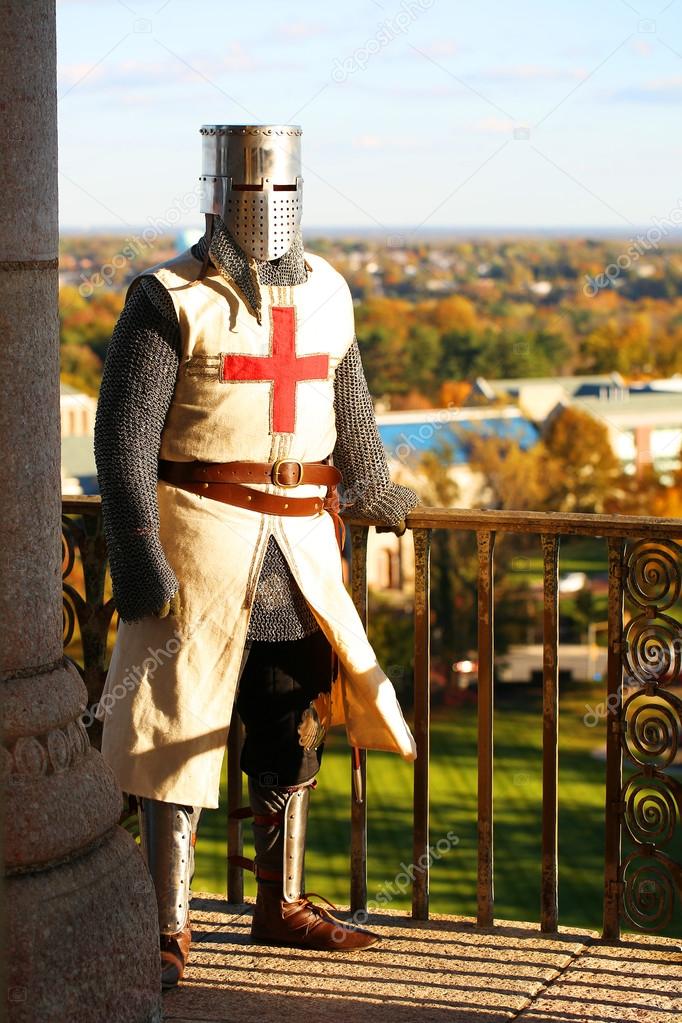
{"type": "Point", "coordinates": [251, 177]}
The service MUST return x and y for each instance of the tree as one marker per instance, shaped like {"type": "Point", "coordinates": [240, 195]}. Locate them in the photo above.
{"type": "Point", "coordinates": [88, 321]}
{"type": "Point", "coordinates": [454, 577]}
{"type": "Point", "coordinates": [513, 478]}
{"type": "Point", "coordinates": [80, 367]}
{"type": "Point", "coordinates": [588, 474]}
{"type": "Point", "coordinates": [383, 369]}
{"type": "Point", "coordinates": [422, 349]}
{"type": "Point", "coordinates": [460, 351]}
{"type": "Point", "coordinates": [453, 570]}
{"type": "Point", "coordinates": [455, 313]}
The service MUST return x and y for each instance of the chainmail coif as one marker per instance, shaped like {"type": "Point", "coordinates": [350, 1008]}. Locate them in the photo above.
{"type": "Point", "coordinates": [247, 274]}
{"type": "Point", "coordinates": [137, 388]}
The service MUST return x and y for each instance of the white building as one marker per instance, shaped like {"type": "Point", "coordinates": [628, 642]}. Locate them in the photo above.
{"type": "Point", "coordinates": [79, 473]}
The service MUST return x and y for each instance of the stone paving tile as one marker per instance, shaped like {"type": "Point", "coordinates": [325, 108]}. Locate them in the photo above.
{"type": "Point", "coordinates": [639, 981]}
{"type": "Point", "coordinates": [441, 970]}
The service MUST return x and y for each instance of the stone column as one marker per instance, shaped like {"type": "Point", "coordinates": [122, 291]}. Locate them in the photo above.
{"type": "Point", "coordinates": [81, 932]}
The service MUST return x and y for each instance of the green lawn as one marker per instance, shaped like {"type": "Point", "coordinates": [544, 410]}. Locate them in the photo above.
{"type": "Point", "coordinates": [518, 740]}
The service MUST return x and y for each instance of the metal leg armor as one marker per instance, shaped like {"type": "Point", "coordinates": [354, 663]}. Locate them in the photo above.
{"type": "Point", "coordinates": [167, 836]}
{"type": "Point", "coordinates": [280, 822]}
{"type": "Point", "coordinates": [284, 915]}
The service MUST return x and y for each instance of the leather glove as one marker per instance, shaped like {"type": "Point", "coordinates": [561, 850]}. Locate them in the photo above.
{"type": "Point", "coordinates": [171, 607]}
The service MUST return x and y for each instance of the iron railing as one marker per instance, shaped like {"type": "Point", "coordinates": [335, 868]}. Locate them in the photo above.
{"type": "Point", "coordinates": [643, 716]}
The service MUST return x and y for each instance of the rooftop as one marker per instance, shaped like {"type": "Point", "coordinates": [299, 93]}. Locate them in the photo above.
{"type": "Point", "coordinates": [666, 406]}
{"type": "Point", "coordinates": [571, 384]}
{"type": "Point", "coordinates": [410, 434]}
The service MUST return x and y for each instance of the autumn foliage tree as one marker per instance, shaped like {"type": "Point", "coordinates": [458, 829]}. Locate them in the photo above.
{"type": "Point", "coordinates": [572, 468]}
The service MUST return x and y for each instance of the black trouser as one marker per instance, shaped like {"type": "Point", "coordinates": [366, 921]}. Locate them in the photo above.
{"type": "Point", "coordinates": [277, 683]}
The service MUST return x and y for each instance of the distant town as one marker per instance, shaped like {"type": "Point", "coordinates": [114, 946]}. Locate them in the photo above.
{"type": "Point", "coordinates": [519, 326]}
{"type": "Point", "coordinates": [522, 373]}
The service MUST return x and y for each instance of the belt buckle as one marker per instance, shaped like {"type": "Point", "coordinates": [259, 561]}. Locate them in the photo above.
{"type": "Point", "coordinates": [276, 469]}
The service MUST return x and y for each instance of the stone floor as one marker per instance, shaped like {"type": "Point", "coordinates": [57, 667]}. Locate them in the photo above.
{"type": "Point", "coordinates": [442, 970]}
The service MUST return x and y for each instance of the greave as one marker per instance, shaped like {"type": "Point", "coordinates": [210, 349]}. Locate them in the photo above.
{"type": "Point", "coordinates": [280, 818]}
{"type": "Point", "coordinates": [167, 838]}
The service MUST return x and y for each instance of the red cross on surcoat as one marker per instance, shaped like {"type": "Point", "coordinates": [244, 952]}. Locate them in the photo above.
{"type": "Point", "coordinates": [282, 366]}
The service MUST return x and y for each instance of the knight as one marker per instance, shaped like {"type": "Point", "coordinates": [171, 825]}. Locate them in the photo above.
{"type": "Point", "coordinates": [233, 404]}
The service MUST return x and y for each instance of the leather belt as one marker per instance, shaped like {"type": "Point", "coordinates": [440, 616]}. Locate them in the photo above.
{"type": "Point", "coordinates": [209, 480]}
{"type": "Point", "coordinates": [256, 500]}
{"type": "Point", "coordinates": [284, 472]}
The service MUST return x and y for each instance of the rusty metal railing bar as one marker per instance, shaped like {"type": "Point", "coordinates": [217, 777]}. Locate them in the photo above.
{"type": "Point", "coordinates": [549, 897]}
{"type": "Point", "coordinates": [485, 524]}
{"type": "Point", "coordinates": [358, 812]}
{"type": "Point", "coordinates": [485, 545]}
{"type": "Point", "coordinates": [422, 722]}
{"type": "Point", "coordinates": [495, 520]}
{"type": "Point", "coordinates": [235, 839]}
{"type": "Point", "coordinates": [614, 752]}
{"type": "Point", "coordinates": [566, 523]}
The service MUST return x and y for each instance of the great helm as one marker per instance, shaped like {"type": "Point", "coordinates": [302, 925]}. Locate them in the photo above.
{"type": "Point", "coordinates": [251, 177]}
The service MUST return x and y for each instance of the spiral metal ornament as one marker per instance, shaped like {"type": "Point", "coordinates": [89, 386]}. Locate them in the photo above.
{"type": "Point", "coordinates": [69, 614]}
{"type": "Point", "coordinates": [68, 549]}
{"type": "Point", "coordinates": [653, 808]}
{"type": "Point", "coordinates": [87, 611]}
{"type": "Point", "coordinates": [68, 618]}
{"type": "Point", "coordinates": [649, 890]}
{"type": "Point", "coordinates": [649, 803]}
{"type": "Point", "coordinates": [652, 650]}
{"type": "Point", "coordinates": [654, 573]}
{"type": "Point", "coordinates": [653, 728]}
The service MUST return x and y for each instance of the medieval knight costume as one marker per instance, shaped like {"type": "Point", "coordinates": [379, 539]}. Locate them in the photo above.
{"type": "Point", "coordinates": [233, 402]}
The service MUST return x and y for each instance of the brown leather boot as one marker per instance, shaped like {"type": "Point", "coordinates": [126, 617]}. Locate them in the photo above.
{"type": "Point", "coordinates": [284, 914]}
{"type": "Point", "coordinates": [168, 835]}
{"type": "Point", "coordinates": [174, 955]}
{"type": "Point", "coordinates": [303, 924]}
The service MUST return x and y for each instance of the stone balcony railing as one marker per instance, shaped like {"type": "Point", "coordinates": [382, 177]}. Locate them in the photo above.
{"type": "Point", "coordinates": [642, 889]}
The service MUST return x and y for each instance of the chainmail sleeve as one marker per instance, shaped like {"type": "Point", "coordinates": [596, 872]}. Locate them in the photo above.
{"type": "Point", "coordinates": [137, 387]}
{"type": "Point", "coordinates": [359, 455]}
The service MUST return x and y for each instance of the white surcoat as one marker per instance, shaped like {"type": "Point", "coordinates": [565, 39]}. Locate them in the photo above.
{"type": "Point", "coordinates": [244, 391]}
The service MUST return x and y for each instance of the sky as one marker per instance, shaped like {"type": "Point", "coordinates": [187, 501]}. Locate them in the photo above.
{"type": "Point", "coordinates": [416, 114]}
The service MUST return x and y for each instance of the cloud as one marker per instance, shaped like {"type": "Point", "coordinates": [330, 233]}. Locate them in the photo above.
{"type": "Point", "coordinates": [659, 90]}
{"type": "Point", "coordinates": [493, 126]}
{"type": "Point", "coordinates": [127, 74]}
{"type": "Point", "coordinates": [383, 142]}
{"type": "Point", "coordinates": [419, 93]}
{"type": "Point", "coordinates": [642, 47]}
{"type": "Point", "coordinates": [529, 73]}
{"type": "Point", "coordinates": [367, 142]}
{"type": "Point", "coordinates": [69, 74]}
{"type": "Point", "coordinates": [439, 48]}
{"type": "Point", "coordinates": [294, 31]}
